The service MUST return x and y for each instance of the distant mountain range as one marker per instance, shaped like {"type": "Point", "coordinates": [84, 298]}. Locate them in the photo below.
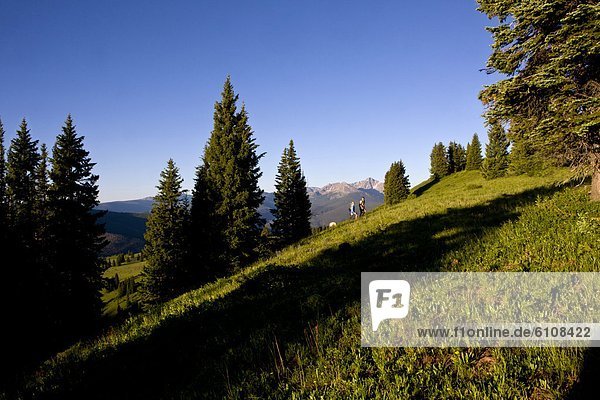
{"type": "Point", "coordinates": [125, 220]}
{"type": "Point", "coordinates": [124, 231]}
{"type": "Point", "coordinates": [139, 206]}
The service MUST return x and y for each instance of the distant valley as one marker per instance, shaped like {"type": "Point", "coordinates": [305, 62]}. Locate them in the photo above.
{"type": "Point", "coordinates": [125, 221]}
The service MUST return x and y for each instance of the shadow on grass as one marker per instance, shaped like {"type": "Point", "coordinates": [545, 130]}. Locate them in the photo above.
{"type": "Point", "coordinates": [587, 386]}
{"type": "Point", "coordinates": [424, 187]}
{"type": "Point", "coordinates": [205, 351]}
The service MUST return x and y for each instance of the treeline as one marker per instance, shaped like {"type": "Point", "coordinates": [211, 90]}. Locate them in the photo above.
{"type": "Point", "coordinates": [221, 230]}
{"type": "Point", "coordinates": [455, 158]}
{"type": "Point", "coordinates": [446, 160]}
{"type": "Point", "coordinates": [51, 276]}
{"type": "Point", "coordinates": [549, 103]}
{"type": "Point", "coordinates": [120, 259]}
{"type": "Point", "coordinates": [498, 161]}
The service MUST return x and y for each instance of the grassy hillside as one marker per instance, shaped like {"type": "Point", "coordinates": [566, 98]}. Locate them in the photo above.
{"type": "Point", "coordinates": [288, 327]}
{"type": "Point", "coordinates": [116, 301]}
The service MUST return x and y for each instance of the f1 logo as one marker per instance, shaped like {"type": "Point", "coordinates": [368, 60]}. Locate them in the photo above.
{"type": "Point", "coordinates": [389, 300]}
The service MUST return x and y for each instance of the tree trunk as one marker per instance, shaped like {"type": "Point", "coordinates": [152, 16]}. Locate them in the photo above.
{"type": "Point", "coordinates": [595, 195]}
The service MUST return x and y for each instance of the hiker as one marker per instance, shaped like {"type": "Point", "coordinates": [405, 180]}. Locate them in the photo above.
{"type": "Point", "coordinates": [352, 211]}
{"type": "Point", "coordinates": [362, 209]}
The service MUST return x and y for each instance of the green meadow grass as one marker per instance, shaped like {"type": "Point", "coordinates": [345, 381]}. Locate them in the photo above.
{"type": "Point", "coordinates": [112, 302]}
{"type": "Point", "coordinates": [125, 270]}
{"type": "Point", "coordinates": [289, 326]}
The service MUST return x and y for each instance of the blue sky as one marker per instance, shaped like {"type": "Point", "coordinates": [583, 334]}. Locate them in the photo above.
{"type": "Point", "coordinates": [356, 84]}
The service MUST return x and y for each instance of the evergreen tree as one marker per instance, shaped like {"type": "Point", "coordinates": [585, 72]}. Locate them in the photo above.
{"type": "Point", "coordinates": [23, 278]}
{"type": "Point", "coordinates": [42, 188]}
{"type": "Point", "coordinates": [205, 238]}
{"type": "Point", "coordinates": [456, 157]}
{"type": "Point", "coordinates": [243, 233]}
{"type": "Point", "coordinates": [4, 232]}
{"type": "Point", "coordinates": [7, 282]}
{"type": "Point", "coordinates": [3, 199]}
{"type": "Point", "coordinates": [166, 248]}
{"type": "Point", "coordinates": [474, 158]}
{"type": "Point", "coordinates": [292, 205]}
{"type": "Point", "coordinates": [22, 164]}
{"type": "Point", "coordinates": [42, 177]}
{"type": "Point", "coordinates": [75, 237]}
{"type": "Point", "coordinates": [495, 164]}
{"type": "Point", "coordinates": [549, 52]}
{"type": "Point", "coordinates": [450, 157]}
{"type": "Point", "coordinates": [396, 186]}
{"type": "Point", "coordinates": [460, 157]}
{"type": "Point", "coordinates": [439, 161]}
{"type": "Point", "coordinates": [226, 194]}
{"type": "Point", "coordinates": [523, 159]}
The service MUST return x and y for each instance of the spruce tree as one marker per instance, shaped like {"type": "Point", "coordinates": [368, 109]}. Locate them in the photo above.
{"type": "Point", "coordinates": [6, 290]}
{"type": "Point", "coordinates": [439, 161]}
{"type": "Point", "coordinates": [164, 274]}
{"type": "Point", "coordinates": [24, 276]}
{"type": "Point", "coordinates": [204, 237]}
{"type": "Point", "coordinates": [42, 188]}
{"type": "Point", "coordinates": [75, 237]}
{"type": "Point", "coordinates": [42, 215]}
{"type": "Point", "coordinates": [226, 193]}
{"type": "Point", "coordinates": [474, 158]}
{"type": "Point", "coordinates": [42, 177]}
{"type": "Point", "coordinates": [292, 205]}
{"type": "Point", "coordinates": [460, 157]}
{"type": "Point", "coordinates": [495, 163]}
{"type": "Point", "coordinates": [246, 225]}
{"type": "Point", "coordinates": [456, 157]}
{"type": "Point", "coordinates": [3, 200]}
{"type": "Point", "coordinates": [22, 164]}
{"type": "Point", "coordinates": [450, 154]}
{"type": "Point", "coordinates": [396, 186]}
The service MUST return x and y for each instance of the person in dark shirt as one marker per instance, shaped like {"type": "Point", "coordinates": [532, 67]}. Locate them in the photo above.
{"type": "Point", "coordinates": [362, 209]}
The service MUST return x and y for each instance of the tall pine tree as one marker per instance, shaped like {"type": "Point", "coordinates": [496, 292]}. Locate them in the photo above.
{"type": "Point", "coordinates": [495, 164]}
{"type": "Point", "coordinates": [42, 215]}
{"type": "Point", "coordinates": [227, 187]}
{"type": "Point", "coordinates": [22, 164]}
{"type": "Point", "coordinates": [243, 233]}
{"type": "Point", "coordinates": [164, 274]}
{"type": "Point", "coordinates": [24, 275]}
{"type": "Point", "coordinates": [450, 157]}
{"type": "Point", "coordinates": [439, 161]}
{"type": "Point", "coordinates": [474, 158]}
{"type": "Point", "coordinates": [3, 200]}
{"type": "Point", "coordinates": [42, 188]}
{"type": "Point", "coordinates": [7, 283]}
{"type": "Point", "coordinates": [204, 237]}
{"type": "Point", "coordinates": [456, 157]}
{"type": "Point", "coordinates": [292, 205]}
{"type": "Point", "coordinates": [75, 237]}
{"type": "Point", "coordinates": [460, 156]}
{"type": "Point", "coordinates": [396, 186]}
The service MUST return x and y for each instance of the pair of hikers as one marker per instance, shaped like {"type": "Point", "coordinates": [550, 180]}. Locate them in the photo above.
{"type": "Point", "coordinates": [361, 208]}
